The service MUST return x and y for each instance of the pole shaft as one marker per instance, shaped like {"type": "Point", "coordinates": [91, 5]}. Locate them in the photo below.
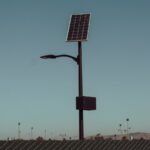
{"type": "Point", "coordinates": [81, 123]}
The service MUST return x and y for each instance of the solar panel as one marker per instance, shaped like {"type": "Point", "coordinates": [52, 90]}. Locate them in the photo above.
{"type": "Point", "coordinates": [78, 29]}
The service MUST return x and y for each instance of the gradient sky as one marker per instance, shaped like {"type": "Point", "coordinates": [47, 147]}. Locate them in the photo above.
{"type": "Point", "coordinates": [41, 93]}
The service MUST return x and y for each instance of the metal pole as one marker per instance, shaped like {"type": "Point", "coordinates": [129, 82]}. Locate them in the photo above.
{"type": "Point", "coordinates": [127, 120]}
{"type": "Point", "coordinates": [32, 133]}
{"type": "Point", "coordinates": [81, 123]}
{"type": "Point", "coordinates": [19, 131]}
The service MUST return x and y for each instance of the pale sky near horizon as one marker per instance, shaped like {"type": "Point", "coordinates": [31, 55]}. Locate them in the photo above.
{"type": "Point", "coordinates": [41, 93]}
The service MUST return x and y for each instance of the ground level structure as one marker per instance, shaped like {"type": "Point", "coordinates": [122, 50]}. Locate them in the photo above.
{"type": "Point", "coordinates": [76, 145]}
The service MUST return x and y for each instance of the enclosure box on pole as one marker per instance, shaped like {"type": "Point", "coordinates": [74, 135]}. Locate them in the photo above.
{"type": "Point", "coordinates": [86, 103]}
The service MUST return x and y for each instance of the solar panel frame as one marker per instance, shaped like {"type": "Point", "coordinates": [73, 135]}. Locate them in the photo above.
{"type": "Point", "coordinates": [82, 27]}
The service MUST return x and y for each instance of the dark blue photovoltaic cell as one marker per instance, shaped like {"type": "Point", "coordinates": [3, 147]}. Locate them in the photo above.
{"type": "Point", "coordinates": [78, 29]}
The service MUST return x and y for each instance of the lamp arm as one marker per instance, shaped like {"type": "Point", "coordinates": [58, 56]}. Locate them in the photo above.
{"type": "Point", "coordinates": [69, 56]}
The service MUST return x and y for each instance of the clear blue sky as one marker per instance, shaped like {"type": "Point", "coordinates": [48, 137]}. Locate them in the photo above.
{"type": "Point", "coordinates": [41, 93]}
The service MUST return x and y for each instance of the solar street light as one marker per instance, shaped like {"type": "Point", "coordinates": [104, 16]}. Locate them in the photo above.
{"type": "Point", "coordinates": [78, 32]}
{"type": "Point", "coordinates": [19, 131]}
{"type": "Point", "coordinates": [32, 132]}
{"type": "Point", "coordinates": [128, 128]}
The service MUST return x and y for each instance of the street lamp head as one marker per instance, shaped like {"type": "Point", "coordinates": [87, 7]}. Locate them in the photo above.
{"type": "Point", "coordinates": [48, 57]}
